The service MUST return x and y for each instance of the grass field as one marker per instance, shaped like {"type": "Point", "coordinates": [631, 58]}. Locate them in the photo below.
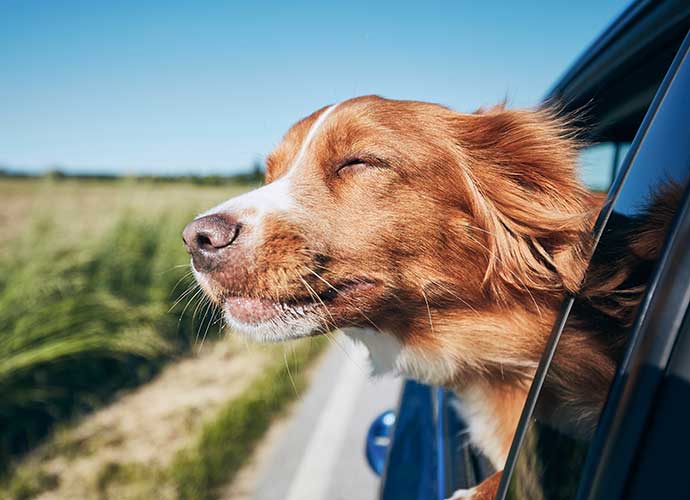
{"type": "Point", "coordinates": [89, 272]}
{"type": "Point", "coordinates": [79, 209]}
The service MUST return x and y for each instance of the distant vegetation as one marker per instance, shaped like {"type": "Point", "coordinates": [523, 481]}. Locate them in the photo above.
{"type": "Point", "coordinates": [251, 176]}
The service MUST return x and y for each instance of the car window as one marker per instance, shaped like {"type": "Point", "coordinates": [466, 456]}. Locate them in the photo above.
{"type": "Point", "coordinates": [593, 341]}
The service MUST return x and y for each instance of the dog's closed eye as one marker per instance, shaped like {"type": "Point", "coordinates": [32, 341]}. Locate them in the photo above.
{"type": "Point", "coordinates": [351, 165]}
{"type": "Point", "coordinates": [361, 163]}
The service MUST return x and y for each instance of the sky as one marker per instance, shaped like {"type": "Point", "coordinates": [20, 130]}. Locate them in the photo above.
{"type": "Point", "coordinates": [176, 87]}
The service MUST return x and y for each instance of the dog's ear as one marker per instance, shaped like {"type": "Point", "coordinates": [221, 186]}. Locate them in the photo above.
{"type": "Point", "coordinates": [520, 168]}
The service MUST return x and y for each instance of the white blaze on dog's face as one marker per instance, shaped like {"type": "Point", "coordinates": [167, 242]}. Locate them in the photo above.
{"type": "Point", "coordinates": [381, 214]}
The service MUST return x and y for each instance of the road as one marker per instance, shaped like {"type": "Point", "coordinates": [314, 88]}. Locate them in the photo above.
{"type": "Point", "coordinates": [318, 453]}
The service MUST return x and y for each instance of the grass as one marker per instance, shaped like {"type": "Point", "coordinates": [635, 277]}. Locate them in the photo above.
{"type": "Point", "coordinates": [86, 275]}
{"type": "Point", "coordinates": [76, 327]}
{"type": "Point", "coordinates": [28, 484]}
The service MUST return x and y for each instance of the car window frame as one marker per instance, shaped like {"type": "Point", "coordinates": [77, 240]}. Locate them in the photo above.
{"type": "Point", "coordinates": [663, 446]}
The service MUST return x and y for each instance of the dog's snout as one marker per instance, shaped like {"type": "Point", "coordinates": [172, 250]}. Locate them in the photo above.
{"type": "Point", "coordinates": [208, 239]}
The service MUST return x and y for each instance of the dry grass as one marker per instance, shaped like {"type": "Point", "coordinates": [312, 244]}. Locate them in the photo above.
{"type": "Point", "coordinates": [88, 209]}
{"type": "Point", "coordinates": [182, 436]}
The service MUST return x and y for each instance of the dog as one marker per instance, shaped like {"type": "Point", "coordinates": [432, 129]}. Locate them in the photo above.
{"type": "Point", "coordinates": [443, 241]}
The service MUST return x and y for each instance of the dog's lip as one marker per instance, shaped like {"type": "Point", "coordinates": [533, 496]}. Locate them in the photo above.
{"type": "Point", "coordinates": [253, 310]}
{"type": "Point", "coordinates": [257, 310]}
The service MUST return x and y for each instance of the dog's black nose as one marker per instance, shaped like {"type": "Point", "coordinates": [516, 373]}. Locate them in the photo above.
{"type": "Point", "coordinates": [209, 238]}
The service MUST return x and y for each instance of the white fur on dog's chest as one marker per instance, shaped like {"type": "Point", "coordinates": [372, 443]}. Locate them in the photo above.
{"type": "Point", "coordinates": [384, 349]}
{"type": "Point", "coordinates": [389, 355]}
{"type": "Point", "coordinates": [482, 424]}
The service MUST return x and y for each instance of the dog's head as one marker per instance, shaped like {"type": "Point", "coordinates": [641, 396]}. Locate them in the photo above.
{"type": "Point", "coordinates": [391, 215]}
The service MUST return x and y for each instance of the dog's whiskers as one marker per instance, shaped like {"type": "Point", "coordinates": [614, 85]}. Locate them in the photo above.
{"type": "Point", "coordinates": [214, 311]}
{"type": "Point", "coordinates": [174, 267]}
{"type": "Point", "coordinates": [192, 286]}
{"type": "Point", "coordinates": [315, 296]}
{"type": "Point", "coordinates": [191, 299]}
{"type": "Point", "coordinates": [185, 276]}
{"type": "Point", "coordinates": [205, 309]}
{"type": "Point", "coordinates": [350, 303]}
{"type": "Point", "coordinates": [426, 301]}
{"type": "Point", "coordinates": [287, 369]}
{"type": "Point", "coordinates": [328, 328]}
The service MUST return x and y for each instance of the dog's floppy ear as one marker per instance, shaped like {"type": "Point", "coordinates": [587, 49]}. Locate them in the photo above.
{"type": "Point", "coordinates": [520, 168]}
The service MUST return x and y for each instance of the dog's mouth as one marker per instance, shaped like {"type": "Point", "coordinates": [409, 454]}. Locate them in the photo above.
{"type": "Point", "coordinates": [260, 310]}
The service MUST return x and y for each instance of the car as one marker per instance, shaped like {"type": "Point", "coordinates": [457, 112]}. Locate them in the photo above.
{"type": "Point", "coordinates": [634, 84]}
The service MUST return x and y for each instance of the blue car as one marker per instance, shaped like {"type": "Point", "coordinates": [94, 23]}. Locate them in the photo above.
{"type": "Point", "coordinates": [634, 81]}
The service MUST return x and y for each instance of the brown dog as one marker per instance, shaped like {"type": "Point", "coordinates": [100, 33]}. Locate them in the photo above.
{"type": "Point", "coordinates": [443, 241]}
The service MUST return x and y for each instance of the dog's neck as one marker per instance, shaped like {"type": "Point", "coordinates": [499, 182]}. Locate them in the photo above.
{"type": "Point", "coordinates": [476, 357]}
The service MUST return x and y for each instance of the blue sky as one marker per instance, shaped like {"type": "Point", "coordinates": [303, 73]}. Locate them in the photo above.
{"type": "Point", "coordinates": [210, 86]}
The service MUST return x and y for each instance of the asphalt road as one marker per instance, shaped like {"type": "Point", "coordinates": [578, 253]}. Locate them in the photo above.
{"type": "Point", "coordinates": [319, 453]}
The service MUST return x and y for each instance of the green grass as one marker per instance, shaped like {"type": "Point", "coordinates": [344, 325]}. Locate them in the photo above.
{"type": "Point", "coordinates": [80, 324]}
{"type": "Point", "coordinates": [28, 484]}
{"type": "Point", "coordinates": [86, 285]}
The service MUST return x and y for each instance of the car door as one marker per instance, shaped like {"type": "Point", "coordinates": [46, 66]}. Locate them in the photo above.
{"type": "Point", "coordinates": [549, 459]}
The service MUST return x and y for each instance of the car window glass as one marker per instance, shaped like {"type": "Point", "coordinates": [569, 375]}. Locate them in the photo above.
{"type": "Point", "coordinates": [557, 439]}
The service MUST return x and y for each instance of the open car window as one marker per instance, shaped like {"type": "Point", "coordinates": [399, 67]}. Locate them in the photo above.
{"type": "Point", "coordinates": [554, 441]}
